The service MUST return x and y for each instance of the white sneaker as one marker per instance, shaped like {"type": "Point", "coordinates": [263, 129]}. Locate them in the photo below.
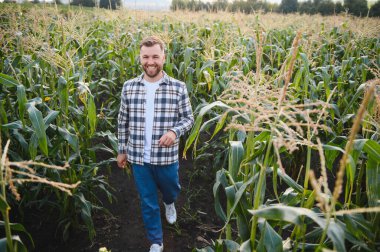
{"type": "Point", "coordinates": [156, 248]}
{"type": "Point", "coordinates": [170, 213]}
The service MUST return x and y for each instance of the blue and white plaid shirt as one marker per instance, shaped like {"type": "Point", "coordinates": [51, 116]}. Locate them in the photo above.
{"type": "Point", "coordinates": [172, 111]}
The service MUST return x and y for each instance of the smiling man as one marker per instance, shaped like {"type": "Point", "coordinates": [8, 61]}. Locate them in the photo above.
{"type": "Point", "coordinates": [155, 111]}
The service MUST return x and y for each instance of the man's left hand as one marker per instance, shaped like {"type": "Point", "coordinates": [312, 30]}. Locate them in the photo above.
{"type": "Point", "coordinates": [167, 139]}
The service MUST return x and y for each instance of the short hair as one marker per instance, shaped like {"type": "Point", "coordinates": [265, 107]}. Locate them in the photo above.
{"type": "Point", "coordinates": [151, 41]}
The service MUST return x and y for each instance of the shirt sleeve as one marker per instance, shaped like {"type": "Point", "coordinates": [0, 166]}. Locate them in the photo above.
{"type": "Point", "coordinates": [186, 118]}
{"type": "Point", "coordinates": [123, 123]}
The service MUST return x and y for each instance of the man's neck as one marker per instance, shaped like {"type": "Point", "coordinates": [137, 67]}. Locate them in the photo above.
{"type": "Point", "coordinates": [155, 79]}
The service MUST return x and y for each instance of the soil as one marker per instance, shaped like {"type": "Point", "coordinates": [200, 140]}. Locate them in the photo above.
{"type": "Point", "coordinates": [123, 230]}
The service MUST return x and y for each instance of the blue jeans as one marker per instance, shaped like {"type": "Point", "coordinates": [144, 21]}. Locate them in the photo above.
{"type": "Point", "coordinates": [148, 179]}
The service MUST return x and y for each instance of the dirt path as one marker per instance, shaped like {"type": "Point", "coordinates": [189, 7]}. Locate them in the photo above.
{"type": "Point", "coordinates": [124, 231]}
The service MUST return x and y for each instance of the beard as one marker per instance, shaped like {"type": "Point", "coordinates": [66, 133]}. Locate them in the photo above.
{"type": "Point", "coordinates": [152, 72]}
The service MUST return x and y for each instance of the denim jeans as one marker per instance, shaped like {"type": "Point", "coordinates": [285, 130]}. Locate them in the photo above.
{"type": "Point", "coordinates": [149, 178]}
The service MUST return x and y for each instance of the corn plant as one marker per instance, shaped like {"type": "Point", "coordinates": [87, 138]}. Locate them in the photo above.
{"type": "Point", "coordinates": [264, 95]}
{"type": "Point", "coordinates": [272, 123]}
{"type": "Point", "coordinates": [12, 174]}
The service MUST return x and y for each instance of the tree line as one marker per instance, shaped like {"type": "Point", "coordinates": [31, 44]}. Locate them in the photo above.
{"type": "Point", "coordinates": [323, 7]}
{"type": "Point", "coordinates": [107, 4]}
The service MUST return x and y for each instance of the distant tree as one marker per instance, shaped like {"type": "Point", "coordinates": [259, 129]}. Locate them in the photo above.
{"type": "Point", "coordinates": [36, 1]}
{"type": "Point", "coordinates": [307, 7]}
{"type": "Point", "coordinates": [356, 7]}
{"type": "Point", "coordinates": [220, 5]}
{"type": "Point", "coordinates": [339, 7]}
{"type": "Point", "coordinates": [288, 6]}
{"type": "Point", "coordinates": [375, 10]}
{"type": "Point", "coordinates": [326, 7]}
{"type": "Point", "coordinates": [86, 3]}
{"type": "Point", "coordinates": [109, 4]}
{"type": "Point", "coordinates": [240, 6]}
{"type": "Point", "coordinates": [178, 5]}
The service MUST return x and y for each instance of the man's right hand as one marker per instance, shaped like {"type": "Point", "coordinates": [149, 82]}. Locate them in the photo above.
{"type": "Point", "coordinates": [121, 160]}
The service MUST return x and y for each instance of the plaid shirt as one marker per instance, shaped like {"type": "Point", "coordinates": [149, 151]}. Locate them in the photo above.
{"type": "Point", "coordinates": [172, 111]}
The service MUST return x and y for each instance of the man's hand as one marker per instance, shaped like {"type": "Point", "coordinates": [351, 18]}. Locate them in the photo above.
{"type": "Point", "coordinates": [121, 160]}
{"type": "Point", "coordinates": [168, 139]}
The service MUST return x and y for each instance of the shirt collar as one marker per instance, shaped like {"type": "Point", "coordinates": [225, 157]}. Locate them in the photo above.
{"type": "Point", "coordinates": [165, 78]}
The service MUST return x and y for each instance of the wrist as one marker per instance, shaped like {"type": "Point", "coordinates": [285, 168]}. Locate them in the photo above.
{"type": "Point", "coordinates": [173, 133]}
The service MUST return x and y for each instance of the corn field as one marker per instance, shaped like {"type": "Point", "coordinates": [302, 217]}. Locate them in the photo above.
{"type": "Point", "coordinates": [287, 112]}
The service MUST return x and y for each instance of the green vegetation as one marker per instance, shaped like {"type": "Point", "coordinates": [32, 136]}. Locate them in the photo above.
{"type": "Point", "coordinates": [287, 107]}
{"type": "Point", "coordinates": [323, 7]}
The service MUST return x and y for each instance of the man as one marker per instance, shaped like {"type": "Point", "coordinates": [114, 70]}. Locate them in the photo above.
{"type": "Point", "coordinates": [155, 111]}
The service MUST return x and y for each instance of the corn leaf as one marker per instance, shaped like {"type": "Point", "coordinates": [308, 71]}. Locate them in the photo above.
{"type": "Point", "coordinates": [272, 240]}
{"type": "Point", "coordinates": [8, 81]}
{"type": "Point", "coordinates": [92, 114]}
{"type": "Point", "coordinates": [21, 99]}
{"type": "Point", "coordinates": [236, 154]}
{"type": "Point", "coordinates": [295, 215]}
{"type": "Point", "coordinates": [39, 126]}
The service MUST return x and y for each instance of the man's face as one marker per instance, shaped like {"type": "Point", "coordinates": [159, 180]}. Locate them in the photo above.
{"type": "Point", "coordinates": [152, 60]}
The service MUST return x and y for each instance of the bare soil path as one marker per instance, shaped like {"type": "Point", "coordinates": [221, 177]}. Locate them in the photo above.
{"type": "Point", "coordinates": [124, 231]}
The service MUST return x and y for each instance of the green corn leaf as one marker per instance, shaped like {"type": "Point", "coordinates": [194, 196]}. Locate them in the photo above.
{"type": "Point", "coordinates": [198, 123]}
{"type": "Point", "coordinates": [373, 181]}
{"type": "Point", "coordinates": [246, 246]}
{"type": "Point", "coordinates": [111, 138]}
{"type": "Point", "coordinates": [103, 148]}
{"type": "Point", "coordinates": [13, 125]}
{"type": "Point", "coordinates": [34, 102]}
{"type": "Point", "coordinates": [16, 243]}
{"type": "Point", "coordinates": [372, 148]}
{"type": "Point", "coordinates": [20, 228]}
{"type": "Point", "coordinates": [92, 114]}
{"type": "Point", "coordinates": [230, 245]}
{"type": "Point", "coordinates": [33, 144]}
{"type": "Point", "coordinates": [39, 127]}
{"type": "Point", "coordinates": [3, 114]}
{"type": "Point", "coordinates": [63, 94]}
{"type": "Point", "coordinates": [72, 139]}
{"type": "Point", "coordinates": [236, 154]}
{"type": "Point", "coordinates": [359, 227]}
{"type": "Point", "coordinates": [50, 117]}
{"type": "Point", "coordinates": [239, 196]}
{"type": "Point", "coordinates": [272, 240]}
{"type": "Point", "coordinates": [220, 182]}
{"type": "Point", "coordinates": [187, 56]}
{"type": "Point", "coordinates": [8, 81]}
{"type": "Point", "coordinates": [85, 212]}
{"type": "Point", "coordinates": [331, 151]}
{"type": "Point", "coordinates": [295, 215]}
{"type": "Point", "coordinates": [356, 96]}
{"type": "Point", "coordinates": [207, 124]}
{"type": "Point", "coordinates": [289, 181]}
{"type": "Point", "coordinates": [20, 138]}
{"type": "Point", "coordinates": [21, 99]}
